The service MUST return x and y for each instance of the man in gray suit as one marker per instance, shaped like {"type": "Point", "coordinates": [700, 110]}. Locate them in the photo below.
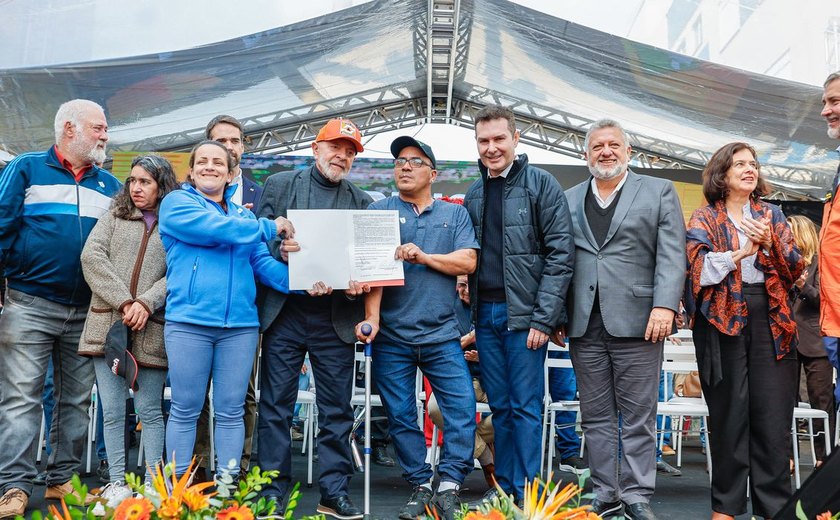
{"type": "Point", "coordinates": [321, 323]}
{"type": "Point", "coordinates": [627, 284]}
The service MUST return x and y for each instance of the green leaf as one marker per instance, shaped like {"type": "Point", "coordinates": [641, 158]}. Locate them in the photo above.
{"type": "Point", "coordinates": [583, 477]}
{"type": "Point", "coordinates": [800, 513]}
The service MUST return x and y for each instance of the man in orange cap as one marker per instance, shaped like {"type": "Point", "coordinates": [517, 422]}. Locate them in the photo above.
{"type": "Point", "coordinates": [321, 323]}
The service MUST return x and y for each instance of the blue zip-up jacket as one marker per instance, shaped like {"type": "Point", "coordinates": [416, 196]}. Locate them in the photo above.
{"type": "Point", "coordinates": [45, 219]}
{"type": "Point", "coordinates": [212, 258]}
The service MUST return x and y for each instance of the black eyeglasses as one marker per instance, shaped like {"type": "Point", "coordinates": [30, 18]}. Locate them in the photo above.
{"type": "Point", "coordinates": [415, 162]}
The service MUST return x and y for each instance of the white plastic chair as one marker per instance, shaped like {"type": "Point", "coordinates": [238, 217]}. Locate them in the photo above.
{"type": "Point", "coordinates": [682, 359]}
{"type": "Point", "coordinates": [804, 411]}
{"type": "Point", "coordinates": [550, 410]}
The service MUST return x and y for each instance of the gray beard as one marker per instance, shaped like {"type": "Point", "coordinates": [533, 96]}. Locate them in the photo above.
{"type": "Point", "coordinates": [607, 174]}
{"type": "Point", "coordinates": [332, 177]}
{"type": "Point", "coordinates": [97, 155]}
{"type": "Point", "coordinates": [833, 133]}
{"type": "Point", "coordinates": [336, 177]}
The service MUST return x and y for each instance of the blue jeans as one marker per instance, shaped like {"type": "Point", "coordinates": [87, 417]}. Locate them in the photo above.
{"type": "Point", "coordinates": [395, 369]}
{"type": "Point", "coordinates": [304, 381]}
{"type": "Point", "coordinates": [562, 385]}
{"type": "Point", "coordinates": [113, 393]}
{"type": "Point", "coordinates": [48, 400]}
{"type": "Point", "coordinates": [101, 451]}
{"type": "Point", "coordinates": [512, 375]}
{"type": "Point", "coordinates": [666, 391]}
{"type": "Point", "coordinates": [195, 354]}
{"type": "Point", "coordinates": [32, 330]}
{"type": "Point", "coordinates": [830, 344]}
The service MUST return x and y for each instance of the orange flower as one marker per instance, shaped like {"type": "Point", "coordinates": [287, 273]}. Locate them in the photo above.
{"type": "Point", "coordinates": [179, 492]}
{"type": "Point", "coordinates": [194, 499]}
{"type": "Point", "coordinates": [495, 514]}
{"type": "Point", "coordinates": [235, 513]}
{"type": "Point", "coordinates": [56, 515]}
{"type": "Point", "coordinates": [824, 516]}
{"type": "Point", "coordinates": [170, 507]}
{"type": "Point", "coordinates": [134, 509]}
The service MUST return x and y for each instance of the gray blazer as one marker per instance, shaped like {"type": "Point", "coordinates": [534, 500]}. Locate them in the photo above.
{"type": "Point", "coordinates": [641, 264]}
{"type": "Point", "coordinates": [290, 190]}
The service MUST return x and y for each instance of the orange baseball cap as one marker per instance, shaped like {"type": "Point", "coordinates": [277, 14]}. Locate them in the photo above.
{"type": "Point", "coordinates": [341, 129]}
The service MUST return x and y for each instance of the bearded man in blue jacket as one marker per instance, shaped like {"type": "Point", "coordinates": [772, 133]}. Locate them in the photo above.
{"type": "Point", "coordinates": [49, 202]}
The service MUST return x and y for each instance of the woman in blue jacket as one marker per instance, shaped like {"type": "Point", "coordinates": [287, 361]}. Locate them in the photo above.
{"type": "Point", "coordinates": [214, 249]}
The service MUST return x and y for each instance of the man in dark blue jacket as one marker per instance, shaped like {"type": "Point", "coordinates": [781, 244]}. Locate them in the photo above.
{"type": "Point", "coordinates": [518, 293]}
{"type": "Point", "coordinates": [49, 202]}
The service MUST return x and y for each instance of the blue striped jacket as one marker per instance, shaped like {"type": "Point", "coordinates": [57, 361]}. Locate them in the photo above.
{"type": "Point", "coordinates": [45, 218]}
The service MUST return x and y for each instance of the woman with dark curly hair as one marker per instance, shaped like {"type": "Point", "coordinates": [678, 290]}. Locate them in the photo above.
{"type": "Point", "coordinates": [124, 264]}
{"type": "Point", "coordinates": [742, 263]}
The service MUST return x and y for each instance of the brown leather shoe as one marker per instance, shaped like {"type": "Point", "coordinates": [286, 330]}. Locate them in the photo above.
{"type": "Point", "coordinates": [13, 503]}
{"type": "Point", "coordinates": [59, 491]}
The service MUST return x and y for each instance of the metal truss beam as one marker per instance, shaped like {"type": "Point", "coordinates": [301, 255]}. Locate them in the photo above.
{"type": "Point", "coordinates": [393, 108]}
{"type": "Point", "coordinates": [287, 130]}
{"type": "Point", "coordinates": [564, 133]}
{"type": "Point", "coordinates": [441, 47]}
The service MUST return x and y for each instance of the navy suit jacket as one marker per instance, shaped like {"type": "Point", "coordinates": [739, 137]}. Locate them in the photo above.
{"type": "Point", "coordinates": [251, 193]}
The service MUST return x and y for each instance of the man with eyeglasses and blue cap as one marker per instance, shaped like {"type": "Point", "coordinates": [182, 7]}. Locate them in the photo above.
{"type": "Point", "coordinates": [415, 326]}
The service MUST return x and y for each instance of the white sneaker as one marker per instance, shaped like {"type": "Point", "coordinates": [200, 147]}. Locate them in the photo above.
{"type": "Point", "coordinates": [148, 491]}
{"type": "Point", "coordinates": [112, 494]}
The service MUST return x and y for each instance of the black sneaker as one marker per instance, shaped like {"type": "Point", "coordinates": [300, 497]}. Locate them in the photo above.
{"type": "Point", "coordinates": [447, 504]}
{"type": "Point", "coordinates": [339, 507]}
{"type": "Point", "coordinates": [489, 496]}
{"type": "Point", "coordinates": [573, 464]}
{"type": "Point", "coordinates": [606, 509]}
{"type": "Point", "coordinates": [279, 503]}
{"type": "Point", "coordinates": [381, 458]}
{"type": "Point", "coordinates": [667, 469]}
{"type": "Point", "coordinates": [420, 498]}
{"type": "Point", "coordinates": [103, 472]}
{"type": "Point", "coordinates": [638, 511]}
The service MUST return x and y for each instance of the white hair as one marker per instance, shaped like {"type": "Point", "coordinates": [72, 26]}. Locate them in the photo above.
{"type": "Point", "coordinates": [72, 111]}
{"type": "Point", "coordinates": [605, 123]}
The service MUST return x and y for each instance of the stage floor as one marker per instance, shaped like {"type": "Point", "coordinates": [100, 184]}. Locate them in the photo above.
{"type": "Point", "coordinates": [686, 496]}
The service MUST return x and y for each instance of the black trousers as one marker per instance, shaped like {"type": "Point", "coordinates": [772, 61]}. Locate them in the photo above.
{"type": "Point", "coordinates": [750, 415]}
{"type": "Point", "coordinates": [285, 343]}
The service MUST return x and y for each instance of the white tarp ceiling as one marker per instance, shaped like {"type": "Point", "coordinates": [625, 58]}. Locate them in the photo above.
{"type": "Point", "coordinates": [537, 63]}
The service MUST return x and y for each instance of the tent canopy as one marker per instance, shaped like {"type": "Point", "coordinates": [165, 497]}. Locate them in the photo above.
{"type": "Point", "coordinates": [384, 65]}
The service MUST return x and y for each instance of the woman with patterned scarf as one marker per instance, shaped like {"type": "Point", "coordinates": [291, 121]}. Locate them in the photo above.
{"type": "Point", "coordinates": [742, 263]}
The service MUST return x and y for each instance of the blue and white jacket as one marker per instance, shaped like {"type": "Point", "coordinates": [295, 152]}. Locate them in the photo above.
{"type": "Point", "coordinates": [212, 258]}
{"type": "Point", "coordinates": [45, 219]}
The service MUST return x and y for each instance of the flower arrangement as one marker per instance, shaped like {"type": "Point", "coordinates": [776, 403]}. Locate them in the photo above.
{"type": "Point", "coordinates": [542, 502]}
{"type": "Point", "coordinates": [169, 497]}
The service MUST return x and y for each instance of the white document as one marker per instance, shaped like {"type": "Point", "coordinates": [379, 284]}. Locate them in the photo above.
{"type": "Point", "coordinates": [339, 245]}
